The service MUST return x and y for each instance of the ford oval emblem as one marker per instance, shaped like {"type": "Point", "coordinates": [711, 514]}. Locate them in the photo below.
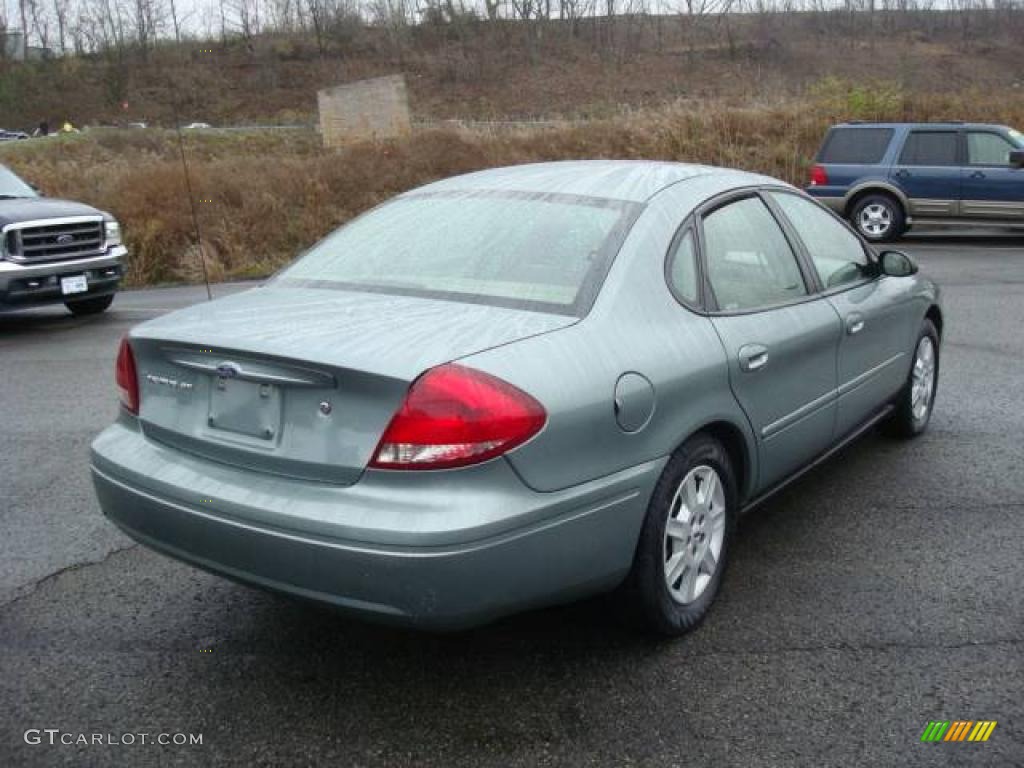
{"type": "Point", "coordinates": [228, 370]}
{"type": "Point", "coordinates": [65, 239]}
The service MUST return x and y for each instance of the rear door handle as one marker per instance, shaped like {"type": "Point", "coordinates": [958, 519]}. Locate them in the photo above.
{"type": "Point", "coordinates": [854, 323]}
{"type": "Point", "coordinates": [753, 357]}
{"type": "Point", "coordinates": [978, 175]}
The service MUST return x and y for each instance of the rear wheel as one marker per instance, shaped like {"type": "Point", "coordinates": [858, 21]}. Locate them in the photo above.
{"type": "Point", "coordinates": [684, 543]}
{"type": "Point", "coordinates": [91, 306]}
{"type": "Point", "coordinates": [879, 218]}
{"type": "Point", "coordinates": [916, 399]}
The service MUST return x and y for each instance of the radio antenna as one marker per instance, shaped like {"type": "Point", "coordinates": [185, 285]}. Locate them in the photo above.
{"type": "Point", "coordinates": [191, 198]}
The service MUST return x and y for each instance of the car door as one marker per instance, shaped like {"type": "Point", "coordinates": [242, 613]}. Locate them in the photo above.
{"type": "Point", "coordinates": [877, 320]}
{"type": "Point", "coordinates": [781, 341]}
{"type": "Point", "coordinates": [991, 188]}
{"type": "Point", "coordinates": [927, 171]}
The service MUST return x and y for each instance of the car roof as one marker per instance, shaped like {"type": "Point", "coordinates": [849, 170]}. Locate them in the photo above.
{"type": "Point", "coordinates": [629, 180]}
{"type": "Point", "coordinates": [957, 124]}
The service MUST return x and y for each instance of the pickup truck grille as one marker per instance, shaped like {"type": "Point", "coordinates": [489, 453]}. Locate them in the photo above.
{"type": "Point", "coordinates": [42, 241]}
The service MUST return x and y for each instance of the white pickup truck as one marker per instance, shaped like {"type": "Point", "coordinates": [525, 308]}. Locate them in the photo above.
{"type": "Point", "coordinates": [55, 251]}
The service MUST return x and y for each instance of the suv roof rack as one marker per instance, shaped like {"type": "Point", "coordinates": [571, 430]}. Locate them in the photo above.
{"type": "Point", "coordinates": [903, 122]}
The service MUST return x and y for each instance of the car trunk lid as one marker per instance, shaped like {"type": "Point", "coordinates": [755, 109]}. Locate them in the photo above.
{"type": "Point", "coordinates": [303, 382]}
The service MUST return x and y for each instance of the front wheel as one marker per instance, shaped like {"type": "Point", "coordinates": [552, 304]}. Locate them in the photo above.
{"type": "Point", "coordinates": [879, 218]}
{"type": "Point", "coordinates": [93, 306]}
{"type": "Point", "coordinates": [917, 398]}
{"type": "Point", "coordinates": [684, 542]}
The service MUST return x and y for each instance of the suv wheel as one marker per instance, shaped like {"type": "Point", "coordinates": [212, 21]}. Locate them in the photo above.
{"type": "Point", "coordinates": [879, 218]}
{"type": "Point", "coordinates": [91, 306]}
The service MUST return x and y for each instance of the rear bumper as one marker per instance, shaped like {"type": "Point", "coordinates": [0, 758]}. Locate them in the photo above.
{"type": "Point", "coordinates": [28, 285]}
{"type": "Point", "coordinates": [417, 551]}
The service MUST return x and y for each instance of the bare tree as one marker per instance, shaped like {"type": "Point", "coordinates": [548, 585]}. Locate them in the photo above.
{"type": "Point", "coordinates": [394, 17]}
{"type": "Point", "coordinates": [176, 21]}
{"type": "Point", "coordinates": [61, 16]}
{"type": "Point", "coordinates": [246, 18]}
{"type": "Point", "coordinates": [23, 12]}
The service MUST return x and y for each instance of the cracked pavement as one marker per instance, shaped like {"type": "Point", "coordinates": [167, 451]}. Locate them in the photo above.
{"type": "Point", "coordinates": [880, 592]}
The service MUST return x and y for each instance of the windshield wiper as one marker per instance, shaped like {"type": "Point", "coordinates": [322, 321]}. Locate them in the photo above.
{"type": "Point", "coordinates": [12, 197]}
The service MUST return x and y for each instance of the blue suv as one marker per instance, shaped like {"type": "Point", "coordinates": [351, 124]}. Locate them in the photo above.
{"type": "Point", "coordinates": [886, 177]}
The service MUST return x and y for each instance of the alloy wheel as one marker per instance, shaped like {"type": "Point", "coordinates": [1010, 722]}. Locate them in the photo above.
{"type": "Point", "coordinates": [922, 385]}
{"type": "Point", "coordinates": [694, 534]}
{"type": "Point", "coordinates": [875, 220]}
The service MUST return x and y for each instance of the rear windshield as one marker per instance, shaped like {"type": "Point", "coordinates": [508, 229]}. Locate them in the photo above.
{"type": "Point", "coordinates": [12, 186]}
{"type": "Point", "coordinates": [520, 250]}
{"type": "Point", "coordinates": [855, 146]}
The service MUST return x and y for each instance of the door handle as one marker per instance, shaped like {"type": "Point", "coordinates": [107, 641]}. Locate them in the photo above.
{"type": "Point", "coordinates": [753, 357]}
{"type": "Point", "coordinates": [902, 173]}
{"type": "Point", "coordinates": [854, 324]}
{"type": "Point", "coordinates": [978, 175]}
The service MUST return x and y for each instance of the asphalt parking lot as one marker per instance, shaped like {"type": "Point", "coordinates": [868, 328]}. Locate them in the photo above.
{"type": "Point", "coordinates": [879, 593]}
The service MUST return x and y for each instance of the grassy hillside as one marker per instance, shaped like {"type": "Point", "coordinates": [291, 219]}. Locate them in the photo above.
{"type": "Point", "coordinates": [263, 196]}
{"type": "Point", "coordinates": [470, 68]}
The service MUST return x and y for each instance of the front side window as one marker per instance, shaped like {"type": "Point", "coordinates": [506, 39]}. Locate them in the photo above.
{"type": "Point", "coordinates": [930, 148]}
{"type": "Point", "coordinates": [985, 148]}
{"type": "Point", "coordinates": [750, 263]}
{"type": "Point", "coordinates": [522, 250]}
{"type": "Point", "coordinates": [836, 253]}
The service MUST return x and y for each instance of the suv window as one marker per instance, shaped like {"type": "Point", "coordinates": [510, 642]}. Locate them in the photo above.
{"type": "Point", "coordinates": [682, 269]}
{"type": "Point", "coordinates": [750, 263]}
{"type": "Point", "coordinates": [836, 253]}
{"type": "Point", "coordinates": [984, 148]}
{"type": "Point", "coordinates": [930, 148]}
{"type": "Point", "coordinates": [855, 146]}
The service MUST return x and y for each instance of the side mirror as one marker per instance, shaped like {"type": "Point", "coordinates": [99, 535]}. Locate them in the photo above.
{"type": "Point", "coordinates": [896, 264]}
{"type": "Point", "coordinates": [1017, 158]}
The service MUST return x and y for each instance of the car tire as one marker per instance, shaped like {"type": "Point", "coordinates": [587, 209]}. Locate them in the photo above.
{"type": "Point", "coordinates": [878, 218]}
{"type": "Point", "coordinates": [697, 490]}
{"type": "Point", "coordinates": [93, 306]}
{"type": "Point", "coordinates": [916, 399]}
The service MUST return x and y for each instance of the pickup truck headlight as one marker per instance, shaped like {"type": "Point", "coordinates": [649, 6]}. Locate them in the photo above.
{"type": "Point", "coordinates": [112, 231]}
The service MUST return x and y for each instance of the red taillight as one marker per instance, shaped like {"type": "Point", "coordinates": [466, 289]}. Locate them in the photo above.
{"type": "Point", "coordinates": [819, 177]}
{"type": "Point", "coordinates": [127, 378]}
{"type": "Point", "coordinates": [454, 416]}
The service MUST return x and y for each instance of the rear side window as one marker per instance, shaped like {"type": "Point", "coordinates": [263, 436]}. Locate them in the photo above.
{"type": "Point", "coordinates": [855, 146]}
{"type": "Point", "coordinates": [683, 269]}
{"type": "Point", "coordinates": [930, 148]}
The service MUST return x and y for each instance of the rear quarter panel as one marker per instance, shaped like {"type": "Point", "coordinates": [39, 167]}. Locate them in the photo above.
{"type": "Point", "coordinates": [634, 326]}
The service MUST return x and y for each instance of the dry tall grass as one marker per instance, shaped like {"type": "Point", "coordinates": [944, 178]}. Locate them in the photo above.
{"type": "Point", "coordinates": [264, 197]}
